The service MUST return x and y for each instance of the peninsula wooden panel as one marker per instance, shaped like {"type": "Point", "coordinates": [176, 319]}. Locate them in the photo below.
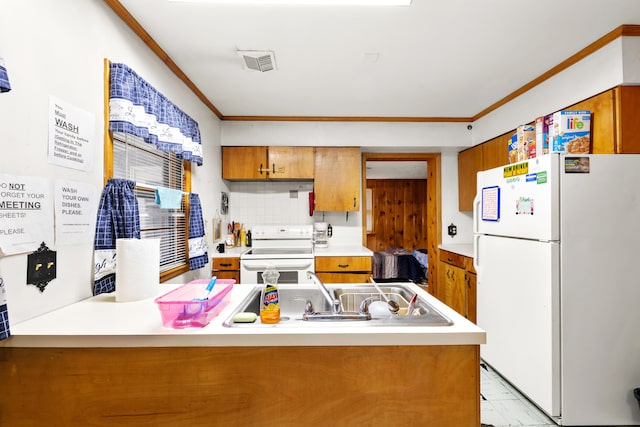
{"type": "Point", "coordinates": [399, 214]}
{"type": "Point", "coordinates": [253, 386]}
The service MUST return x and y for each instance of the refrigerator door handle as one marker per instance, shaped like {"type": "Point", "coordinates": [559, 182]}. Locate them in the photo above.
{"type": "Point", "coordinates": [476, 210]}
{"type": "Point", "coordinates": [476, 252]}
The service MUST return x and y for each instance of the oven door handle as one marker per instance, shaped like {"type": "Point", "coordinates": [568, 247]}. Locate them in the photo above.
{"type": "Point", "coordinates": [278, 264]}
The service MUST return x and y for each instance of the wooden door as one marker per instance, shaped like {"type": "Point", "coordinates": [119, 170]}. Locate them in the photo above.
{"type": "Point", "coordinates": [337, 178]}
{"type": "Point", "coordinates": [244, 163]}
{"type": "Point", "coordinates": [454, 292]}
{"type": "Point", "coordinates": [291, 162]}
{"type": "Point", "coordinates": [469, 164]}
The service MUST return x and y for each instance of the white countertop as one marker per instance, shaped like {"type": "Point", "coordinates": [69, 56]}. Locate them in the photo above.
{"type": "Point", "coordinates": [465, 249]}
{"type": "Point", "coordinates": [342, 250]}
{"type": "Point", "coordinates": [229, 252]}
{"type": "Point", "coordinates": [101, 322]}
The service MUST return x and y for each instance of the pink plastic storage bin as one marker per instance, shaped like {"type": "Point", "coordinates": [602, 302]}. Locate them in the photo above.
{"type": "Point", "coordinates": [179, 310]}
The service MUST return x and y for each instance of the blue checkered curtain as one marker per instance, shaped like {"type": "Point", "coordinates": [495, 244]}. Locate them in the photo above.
{"type": "Point", "coordinates": [198, 256]}
{"type": "Point", "coordinates": [4, 313]}
{"type": "Point", "coordinates": [5, 86]}
{"type": "Point", "coordinates": [137, 108]}
{"type": "Point", "coordinates": [118, 218]}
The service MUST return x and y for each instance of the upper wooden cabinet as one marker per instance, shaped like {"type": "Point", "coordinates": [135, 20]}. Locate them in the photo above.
{"type": "Point", "coordinates": [290, 162]}
{"type": "Point", "coordinates": [337, 179]}
{"type": "Point", "coordinates": [489, 155]}
{"type": "Point", "coordinates": [614, 130]}
{"type": "Point", "coordinates": [256, 163]}
{"type": "Point", "coordinates": [244, 162]}
{"type": "Point", "coordinates": [469, 163]}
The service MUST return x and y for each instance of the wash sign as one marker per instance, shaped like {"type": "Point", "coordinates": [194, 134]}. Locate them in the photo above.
{"type": "Point", "coordinates": [71, 135]}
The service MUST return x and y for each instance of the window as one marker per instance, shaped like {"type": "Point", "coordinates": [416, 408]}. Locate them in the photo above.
{"type": "Point", "coordinates": [149, 168]}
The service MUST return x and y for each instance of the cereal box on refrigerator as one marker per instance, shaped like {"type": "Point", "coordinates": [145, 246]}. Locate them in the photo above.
{"type": "Point", "coordinates": [543, 127]}
{"type": "Point", "coordinates": [513, 148]}
{"type": "Point", "coordinates": [526, 142]}
{"type": "Point", "coordinates": [571, 132]}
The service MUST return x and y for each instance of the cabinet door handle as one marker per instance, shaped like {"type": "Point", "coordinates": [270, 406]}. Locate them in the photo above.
{"type": "Point", "coordinates": [274, 168]}
{"type": "Point", "coordinates": [260, 170]}
{"type": "Point", "coordinates": [225, 265]}
{"type": "Point", "coordinates": [354, 202]}
{"type": "Point", "coordinates": [343, 265]}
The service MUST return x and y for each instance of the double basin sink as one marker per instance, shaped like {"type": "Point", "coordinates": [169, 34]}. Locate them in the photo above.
{"type": "Point", "coordinates": [294, 299]}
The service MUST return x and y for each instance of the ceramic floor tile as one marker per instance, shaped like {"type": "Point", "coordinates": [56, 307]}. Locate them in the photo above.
{"type": "Point", "coordinates": [503, 406]}
{"type": "Point", "coordinates": [489, 415]}
{"type": "Point", "coordinates": [519, 413]}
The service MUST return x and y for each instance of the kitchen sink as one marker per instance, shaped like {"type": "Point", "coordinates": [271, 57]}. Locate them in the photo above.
{"type": "Point", "coordinates": [293, 299]}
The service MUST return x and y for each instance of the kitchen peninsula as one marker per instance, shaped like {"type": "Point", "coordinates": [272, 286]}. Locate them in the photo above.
{"type": "Point", "coordinates": [97, 362]}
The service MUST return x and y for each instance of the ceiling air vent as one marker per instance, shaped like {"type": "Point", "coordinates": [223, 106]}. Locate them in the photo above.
{"type": "Point", "coordinates": [258, 60]}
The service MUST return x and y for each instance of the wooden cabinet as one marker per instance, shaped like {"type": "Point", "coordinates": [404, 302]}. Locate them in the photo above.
{"type": "Point", "coordinates": [244, 162]}
{"type": "Point", "coordinates": [337, 179]}
{"type": "Point", "coordinates": [291, 162]}
{"type": "Point", "coordinates": [344, 269]}
{"type": "Point", "coordinates": [226, 268]}
{"type": "Point", "coordinates": [258, 163]}
{"type": "Point", "coordinates": [469, 163]}
{"type": "Point", "coordinates": [614, 130]}
{"type": "Point", "coordinates": [489, 155]}
{"type": "Point", "coordinates": [458, 283]}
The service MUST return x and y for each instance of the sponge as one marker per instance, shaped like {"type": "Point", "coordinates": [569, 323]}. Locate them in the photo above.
{"type": "Point", "coordinates": [245, 317]}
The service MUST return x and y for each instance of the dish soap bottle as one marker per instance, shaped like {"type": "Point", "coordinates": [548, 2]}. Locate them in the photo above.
{"type": "Point", "coordinates": [269, 299]}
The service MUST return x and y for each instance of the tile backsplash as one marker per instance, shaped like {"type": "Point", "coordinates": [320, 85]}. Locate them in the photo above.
{"type": "Point", "coordinates": [270, 202]}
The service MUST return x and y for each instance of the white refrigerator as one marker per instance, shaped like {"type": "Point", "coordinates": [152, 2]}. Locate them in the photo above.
{"type": "Point", "coordinates": [557, 253]}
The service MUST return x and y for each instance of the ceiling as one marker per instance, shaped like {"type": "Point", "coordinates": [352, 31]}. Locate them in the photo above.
{"type": "Point", "coordinates": [434, 59]}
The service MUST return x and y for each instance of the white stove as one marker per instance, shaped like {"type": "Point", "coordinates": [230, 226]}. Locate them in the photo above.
{"type": "Point", "coordinates": [289, 248]}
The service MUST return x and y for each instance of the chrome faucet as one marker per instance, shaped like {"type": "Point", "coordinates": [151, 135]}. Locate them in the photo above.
{"type": "Point", "coordinates": [336, 307]}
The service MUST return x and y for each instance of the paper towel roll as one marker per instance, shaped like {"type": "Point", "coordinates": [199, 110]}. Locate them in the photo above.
{"type": "Point", "coordinates": [137, 269]}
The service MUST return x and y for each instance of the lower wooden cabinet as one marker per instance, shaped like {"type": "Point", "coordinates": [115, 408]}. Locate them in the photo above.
{"type": "Point", "coordinates": [344, 269]}
{"type": "Point", "coordinates": [226, 268]}
{"type": "Point", "coordinates": [458, 283]}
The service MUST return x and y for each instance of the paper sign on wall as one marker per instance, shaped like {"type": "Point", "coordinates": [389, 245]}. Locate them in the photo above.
{"type": "Point", "coordinates": [71, 135]}
{"type": "Point", "coordinates": [26, 213]}
{"type": "Point", "coordinates": [76, 208]}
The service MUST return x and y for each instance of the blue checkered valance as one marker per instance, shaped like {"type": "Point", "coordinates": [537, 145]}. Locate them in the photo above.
{"type": "Point", "coordinates": [5, 86]}
{"type": "Point", "coordinates": [137, 108]}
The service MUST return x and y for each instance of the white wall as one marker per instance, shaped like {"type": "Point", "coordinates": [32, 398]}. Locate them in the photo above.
{"type": "Point", "coordinates": [372, 137]}
{"type": "Point", "coordinates": [57, 48]}
{"type": "Point", "coordinates": [596, 73]}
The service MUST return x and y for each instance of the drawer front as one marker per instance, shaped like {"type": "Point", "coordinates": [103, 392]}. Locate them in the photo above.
{"type": "Point", "coordinates": [235, 275]}
{"type": "Point", "coordinates": [343, 263]}
{"type": "Point", "coordinates": [226, 263]}
{"type": "Point", "coordinates": [344, 277]}
{"type": "Point", "coordinates": [452, 258]}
